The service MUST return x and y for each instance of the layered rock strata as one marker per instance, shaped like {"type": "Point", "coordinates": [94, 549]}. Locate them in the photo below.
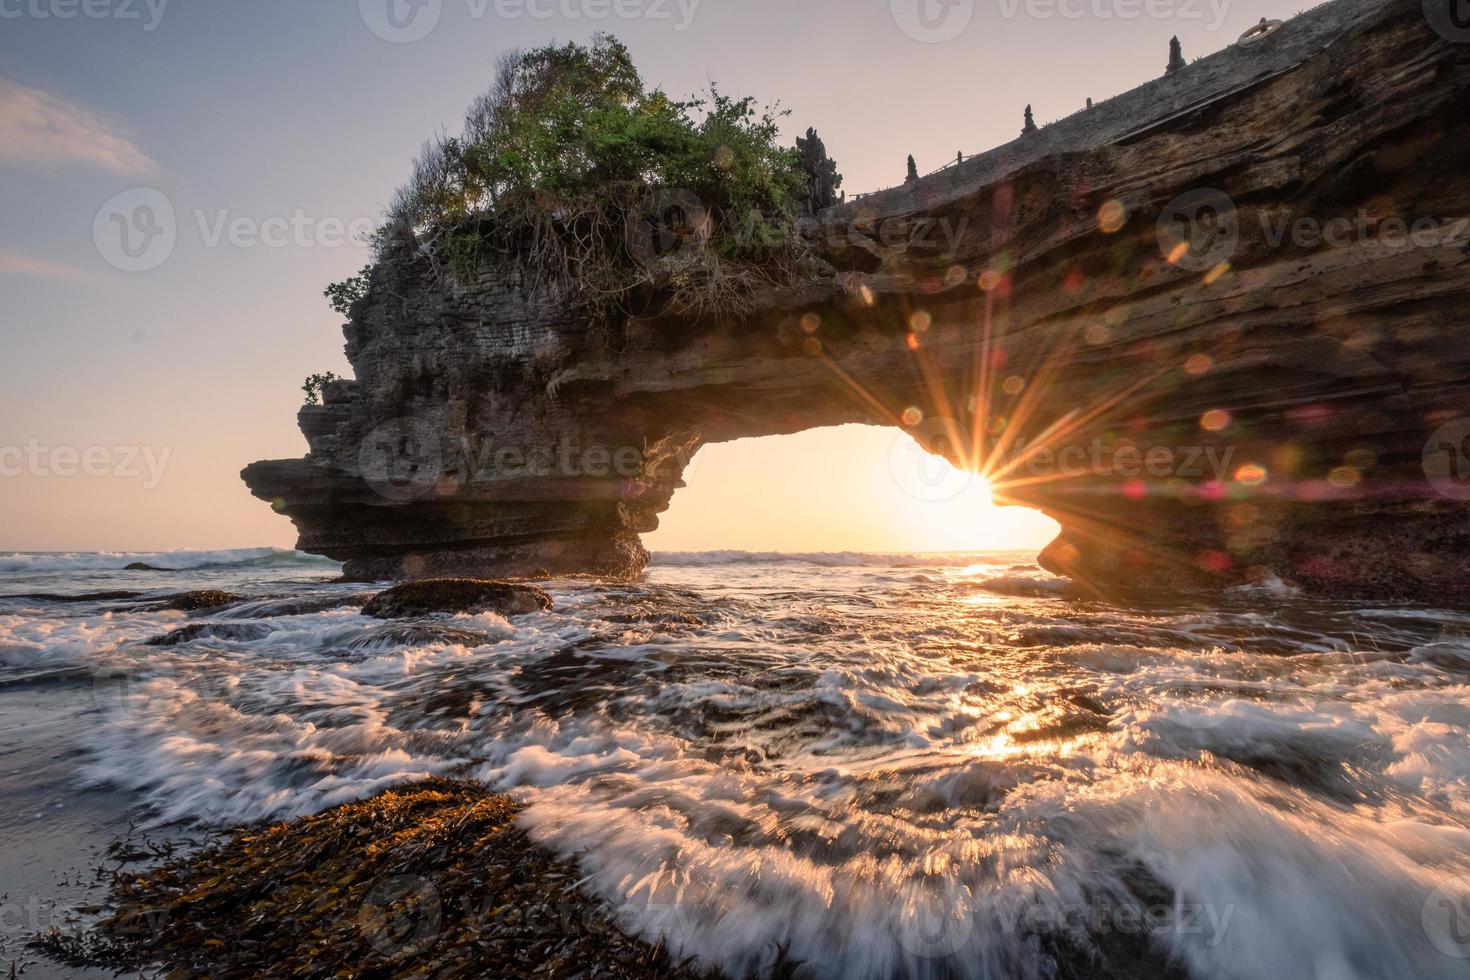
{"type": "Point", "coordinates": [1214, 326]}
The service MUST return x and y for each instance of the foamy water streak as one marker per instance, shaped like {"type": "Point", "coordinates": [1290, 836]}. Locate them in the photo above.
{"type": "Point", "coordinates": [890, 766]}
{"type": "Point", "coordinates": [91, 561]}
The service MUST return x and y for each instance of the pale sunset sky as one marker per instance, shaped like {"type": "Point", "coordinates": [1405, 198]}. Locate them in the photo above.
{"type": "Point", "coordinates": [299, 119]}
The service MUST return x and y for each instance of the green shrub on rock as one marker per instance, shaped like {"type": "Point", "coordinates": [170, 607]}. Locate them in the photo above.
{"type": "Point", "coordinates": [606, 192]}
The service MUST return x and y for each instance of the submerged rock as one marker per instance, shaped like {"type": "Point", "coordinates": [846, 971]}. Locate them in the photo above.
{"type": "Point", "coordinates": [139, 566]}
{"type": "Point", "coordinates": [239, 632]}
{"type": "Point", "coordinates": [271, 608]}
{"type": "Point", "coordinates": [394, 637]}
{"type": "Point", "coordinates": [202, 599]}
{"type": "Point", "coordinates": [112, 596]}
{"type": "Point", "coordinates": [183, 601]}
{"type": "Point", "coordinates": [457, 596]}
{"type": "Point", "coordinates": [428, 880]}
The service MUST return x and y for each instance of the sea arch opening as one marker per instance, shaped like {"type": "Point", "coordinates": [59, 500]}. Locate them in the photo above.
{"type": "Point", "coordinates": [853, 488]}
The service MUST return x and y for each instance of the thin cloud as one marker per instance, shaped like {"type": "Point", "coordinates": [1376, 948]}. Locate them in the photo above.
{"type": "Point", "coordinates": [23, 265]}
{"type": "Point", "coordinates": [41, 130]}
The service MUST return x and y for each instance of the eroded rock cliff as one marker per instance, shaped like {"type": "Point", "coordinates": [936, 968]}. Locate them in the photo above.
{"type": "Point", "coordinates": [1214, 326]}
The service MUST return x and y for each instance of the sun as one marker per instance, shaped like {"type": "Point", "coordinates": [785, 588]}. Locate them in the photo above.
{"type": "Point", "coordinates": [970, 520]}
{"type": "Point", "coordinates": [944, 507]}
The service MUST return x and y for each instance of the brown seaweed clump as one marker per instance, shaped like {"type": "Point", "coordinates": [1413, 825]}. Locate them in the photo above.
{"type": "Point", "coordinates": [433, 879]}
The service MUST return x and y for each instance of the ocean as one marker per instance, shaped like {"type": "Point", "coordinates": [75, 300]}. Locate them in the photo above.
{"type": "Point", "coordinates": [884, 765]}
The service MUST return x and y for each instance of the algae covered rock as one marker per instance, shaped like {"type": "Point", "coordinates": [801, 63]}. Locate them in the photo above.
{"type": "Point", "coordinates": [457, 596]}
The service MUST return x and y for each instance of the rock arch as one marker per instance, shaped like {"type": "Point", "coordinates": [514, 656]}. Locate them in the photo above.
{"type": "Point", "coordinates": [1152, 273]}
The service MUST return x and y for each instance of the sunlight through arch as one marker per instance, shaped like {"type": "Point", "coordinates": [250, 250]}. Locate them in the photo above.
{"type": "Point", "coordinates": [844, 488]}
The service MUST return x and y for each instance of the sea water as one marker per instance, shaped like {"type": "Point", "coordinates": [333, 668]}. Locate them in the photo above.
{"type": "Point", "coordinates": [871, 765]}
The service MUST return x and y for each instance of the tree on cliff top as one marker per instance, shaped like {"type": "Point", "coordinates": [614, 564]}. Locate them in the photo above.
{"type": "Point", "coordinates": [605, 190]}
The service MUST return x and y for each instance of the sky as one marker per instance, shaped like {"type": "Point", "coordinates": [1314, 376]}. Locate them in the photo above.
{"type": "Point", "coordinates": [263, 135]}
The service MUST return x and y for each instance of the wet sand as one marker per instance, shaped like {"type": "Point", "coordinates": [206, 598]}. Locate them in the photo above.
{"type": "Point", "coordinates": [55, 837]}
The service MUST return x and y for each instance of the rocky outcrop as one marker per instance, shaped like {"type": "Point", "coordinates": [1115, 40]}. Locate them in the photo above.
{"type": "Point", "coordinates": [1212, 326]}
{"type": "Point", "coordinates": [433, 596]}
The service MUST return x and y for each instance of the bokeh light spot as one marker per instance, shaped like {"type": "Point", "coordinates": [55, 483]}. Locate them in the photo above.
{"type": "Point", "coordinates": [1111, 217]}
{"type": "Point", "coordinates": [1215, 420]}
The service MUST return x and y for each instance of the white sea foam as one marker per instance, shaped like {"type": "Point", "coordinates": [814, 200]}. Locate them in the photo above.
{"type": "Point", "coordinates": [894, 775]}
{"type": "Point", "coordinates": [28, 639]}
{"type": "Point", "coordinates": [90, 561]}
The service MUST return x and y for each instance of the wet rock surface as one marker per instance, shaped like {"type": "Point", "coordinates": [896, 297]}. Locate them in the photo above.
{"type": "Point", "coordinates": [437, 596]}
{"type": "Point", "coordinates": [394, 637]}
{"type": "Point", "coordinates": [269, 608]}
{"type": "Point", "coordinates": [1220, 397]}
{"type": "Point", "coordinates": [199, 600]}
{"type": "Point", "coordinates": [241, 632]}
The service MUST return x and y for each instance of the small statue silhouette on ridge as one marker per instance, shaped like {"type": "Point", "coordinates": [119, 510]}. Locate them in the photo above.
{"type": "Point", "coordinates": [1030, 126]}
{"type": "Point", "coordinates": [913, 171]}
{"type": "Point", "coordinates": [1176, 57]}
{"type": "Point", "coordinates": [820, 171]}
